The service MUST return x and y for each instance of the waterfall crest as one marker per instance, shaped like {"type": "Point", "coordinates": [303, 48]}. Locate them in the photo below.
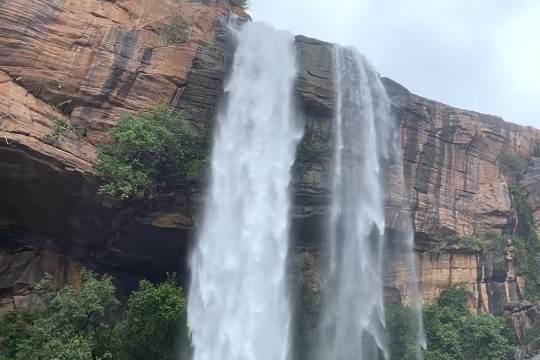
{"type": "Point", "coordinates": [238, 302]}
{"type": "Point", "coordinates": [353, 320]}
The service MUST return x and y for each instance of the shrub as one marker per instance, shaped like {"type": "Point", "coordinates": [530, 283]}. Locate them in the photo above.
{"type": "Point", "coordinates": [495, 241]}
{"type": "Point", "coordinates": [60, 128]}
{"type": "Point", "coordinates": [312, 150]}
{"type": "Point", "coordinates": [488, 337]}
{"type": "Point", "coordinates": [83, 324]}
{"type": "Point", "coordinates": [464, 241]}
{"type": "Point", "coordinates": [155, 323]}
{"type": "Point", "coordinates": [527, 243]}
{"type": "Point", "coordinates": [75, 325]}
{"type": "Point", "coordinates": [512, 165]}
{"type": "Point", "coordinates": [400, 324]}
{"type": "Point", "coordinates": [455, 299]}
{"type": "Point", "coordinates": [13, 330]}
{"type": "Point", "coordinates": [151, 150]}
{"type": "Point", "coordinates": [452, 331]}
{"type": "Point", "coordinates": [176, 32]}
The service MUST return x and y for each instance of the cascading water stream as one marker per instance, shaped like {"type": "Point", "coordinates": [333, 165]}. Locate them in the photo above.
{"type": "Point", "coordinates": [353, 320]}
{"type": "Point", "coordinates": [238, 302]}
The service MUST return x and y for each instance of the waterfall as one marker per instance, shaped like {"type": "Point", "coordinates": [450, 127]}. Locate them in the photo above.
{"type": "Point", "coordinates": [353, 320]}
{"type": "Point", "coordinates": [238, 302]}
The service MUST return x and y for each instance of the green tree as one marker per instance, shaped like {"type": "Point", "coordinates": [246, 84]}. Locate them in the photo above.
{"type": "Point", "coordinates": [151, 150]}
{"type": "Point", "coordinates": [489, 338]}
{"type": "Point", "coordinates": [13, 330]}
{"type": "Point", "coordinates": [402, 332]}
{"type": "Point", "coordinates": [452, 331]}
{"type": "Point", "coordinates": [154, 327]}
{"type": "Point", "coordinates": [83, 324]}
{"type": "Point", "coordinates": [76, 323]}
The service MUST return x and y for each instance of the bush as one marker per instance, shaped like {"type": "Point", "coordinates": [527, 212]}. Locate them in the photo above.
{"type": "Point", "coordinates": [176, 32]}
{"type": "Point", "coordinates": [402, 331]}
{"type": "Point", "coordinates": [60, 128]}
{"type": "Point", "coordinates": [495, 241]}
{"type": "Point", "coordinates": [75, 325]}
{"type": "Point", "coordinates": [151, 151]}
{"type": "Point", "coordinates": [527, 243]}
{"type": "Point", "coordinates": [488, 337]}
{"type": "Point", "coordinates": [455, 299]}
{"type": "Point", "coordinates": [83, 324]}
{"type": "Point", "coordinates": [13, 330]}
{"type": "Point", "coordinates": [154, 325]}
{"type": "Point", "coordinates": [452, 331]}
{"type": "Point", "coordinates": [512, 165]}
{"type": "Point", "coordinates": [464, 241]}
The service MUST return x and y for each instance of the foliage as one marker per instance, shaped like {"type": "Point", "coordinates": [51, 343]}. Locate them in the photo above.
{"type": "Point", "coordinates": [525, 226]}
{"type": "Point", "coordinates": [526, 243]}
{"type": "Point", "coordinates": [495, 241]}
{"type": "Point", "coordinates": [151, 329]}
{"type": "Point", "coordinates": [453, 333]}
{"type": "Point", "coordinates": [60, 128]}
{"type": "Point", "coordinates": [455, 299]}
{"type": "Point", "coordinates": [176, 32]}
{"type": "Point", "coordinates": [13, 329]}
{"type": "Point", "coordinates": [525, 254]}
{"type": "Point", "coordinates": [464, 241]}
{"type": "Point", "coordinates": [400, 324]}
{"type": "Point", "coordinates": [489, 337]}
{"type": "Point", "coordinates": [75, 325]}
{"type": "Point", "coordinates": [512, 165]}
{"type": "Point", "coordinates": [151, 150]}
{"type": "Point", "coordinates": [312, 150]}
{"type": "Point", "coordinates": [83, 324]}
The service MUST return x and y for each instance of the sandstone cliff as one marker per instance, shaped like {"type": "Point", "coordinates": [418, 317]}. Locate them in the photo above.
{"type": "Point", "coordinates": [83, 63]}
{"type": "Point", "coordinates": [87, 62]}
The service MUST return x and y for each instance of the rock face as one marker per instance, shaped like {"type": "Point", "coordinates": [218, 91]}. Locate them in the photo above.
{"type": "Point", "coordinates": [21, 267]}
{"type": "Point", "coordinates": [453, 174]}
{"type": "Point", "coordinates": [84, 63]}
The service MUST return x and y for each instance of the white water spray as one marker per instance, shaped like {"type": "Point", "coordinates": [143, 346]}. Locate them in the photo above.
{"type": "Point", "coordinates": [353, 318]}
{"type": "Point", "coordinates": [238, 302]}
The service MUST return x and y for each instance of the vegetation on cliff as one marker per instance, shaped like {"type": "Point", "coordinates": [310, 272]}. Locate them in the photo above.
{"type": "Point", "coordinates": [83, 324]}
{"type": "Point", "coordinates": [151, 151]}
{"type": "Point", "coordinates": [524, 236]}
{"type": "Point", "coordinates": [452, 331]}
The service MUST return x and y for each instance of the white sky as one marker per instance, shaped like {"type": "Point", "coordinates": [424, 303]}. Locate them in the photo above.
{"type": "Point", "coordinates": [481, 55]}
